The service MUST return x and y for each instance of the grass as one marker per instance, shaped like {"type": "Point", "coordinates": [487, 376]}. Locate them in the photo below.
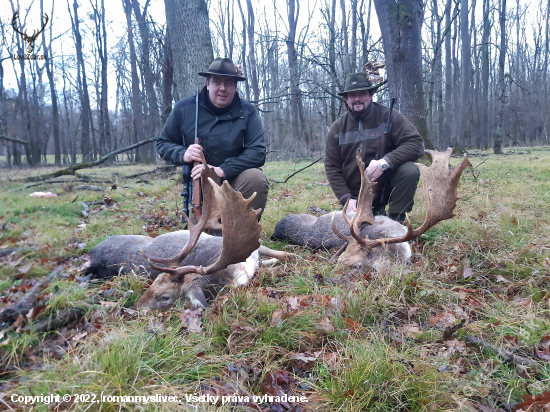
{"type": "Point", "coordinates": [375, 342]}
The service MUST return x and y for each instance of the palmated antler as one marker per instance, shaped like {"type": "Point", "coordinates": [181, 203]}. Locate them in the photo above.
{"type": "Point", "coordinates": [210, 218]}
{"type": "Point", "coordinates": [241, 232]}
{"type": "Point", "coordinates": [440, 196]}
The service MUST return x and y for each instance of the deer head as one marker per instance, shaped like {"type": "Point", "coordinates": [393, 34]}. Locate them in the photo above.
{"type": "Point", "coordinates": [440, 195]}
{"type": "Point", "coordinates": [29, 40]}
{"type": "Point", "coordinates": [225, 209]}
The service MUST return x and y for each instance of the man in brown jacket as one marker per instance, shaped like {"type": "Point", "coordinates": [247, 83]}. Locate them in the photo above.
{"type": "Point", "coordinates": [361, 127]}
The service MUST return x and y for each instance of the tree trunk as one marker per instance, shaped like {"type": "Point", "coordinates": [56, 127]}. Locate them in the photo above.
{"type": "Point", "coordinates": [152, 123]}
{"type": "Point", "coordinates": [83, 88]}
{"type": "Point", "coordinates": [188, 28]}
{"type": "Point", "coordinates": [243, 53]}
{"type": "Point", "coordinates": [365, 33]}
{"type": "Point", "coordinates": [485, 75]}
{"type": "Point", "coordinates": [296, 105]}
{"type": "Point", "coordinates": [252, 54]}
{"type": "Point", "coordinates": [167, 78]}
{"type": "Point", "coordinates": [345, 50]}
{"type": "Point", "coordinates": [137, 110]}
{"type": "Point", "coordinates": [499, 133]}
{"type": "Point", "coordinates": [353, 51]}
{"type": "Point", "coordinates": [53, 93]}
{"type": "Point", "coordinates": [401, 24]}
{"type": "Point", "coordinates": [461, 140]}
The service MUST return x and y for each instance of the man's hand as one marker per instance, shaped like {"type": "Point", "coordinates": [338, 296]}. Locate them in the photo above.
{"type": "Point", "coordinates": [352, 205]}
{"type": "Point", "coordinates": [193, 154]}
{"type": "Point", "coordinates": [197, 171]}
{"type": "Point", "coordinates": [374, 170]}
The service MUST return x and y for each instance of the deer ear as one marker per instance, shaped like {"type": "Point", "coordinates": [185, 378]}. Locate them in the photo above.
{"type": "Point", "coordinates": [196, 296]}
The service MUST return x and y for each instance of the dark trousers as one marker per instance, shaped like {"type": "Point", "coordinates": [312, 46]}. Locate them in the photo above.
{"type": "Point", "coordinates": [250, 181]}
{"type": "Point", "coordinates": [400, 189]}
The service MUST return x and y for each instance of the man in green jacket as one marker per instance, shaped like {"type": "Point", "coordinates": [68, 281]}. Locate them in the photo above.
{"type": "Point", "coordinates": [361, 127]}
{"type": "Point", "coordinates": [229, 129]}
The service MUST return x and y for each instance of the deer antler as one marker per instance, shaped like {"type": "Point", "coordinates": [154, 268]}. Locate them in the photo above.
{"type": "Point", "coordinates": [364, 205]}
{"type": "Point", "coordinates": [210, 219]}
{"type": "Point", "coordinates": [440, 195]}
{"type": "Point", "coordinates": [241, 232]}
{"type": "Point", "coordinates": [14, 22]}
{"type": "Point", "coordinates": [35, 33]}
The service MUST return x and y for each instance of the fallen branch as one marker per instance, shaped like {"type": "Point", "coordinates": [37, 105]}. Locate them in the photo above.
{"type": "Point", "coordinates": [72, 170]}
{"type": "Point", "coordinates": [13, 139]}
{"type": "Point", "coordinates": [506, 355]}
{"type": "Point", "coordinates": [58, 320]}
{"type": "Point", "coordinates": [10, 314]}
{"type": "Point", "coordinates": [160, 168]}
{"type": "Point", "coordinates": [298, 171]}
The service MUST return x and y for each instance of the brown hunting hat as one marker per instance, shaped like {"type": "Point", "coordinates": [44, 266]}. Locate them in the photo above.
{"type": "Point", "coordinates": [356, 82]}
{"type": "Point", "coordinates": [224, 67]}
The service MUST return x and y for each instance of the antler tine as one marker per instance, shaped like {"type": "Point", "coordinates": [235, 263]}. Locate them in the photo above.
{"type": "Point", "coordinates": [365, 198]}
{"type": "Point", "coordinates": [241, 230]}
{"type": "Point", "coordinates": [345, 238]}
{"type": "Point", "coordinates": [345, 212]}
{"type": "Point", "coordinates": [209, 219]}
{"type": "Point", "coordinates": [440, 187]}
{"type": "Point", "coordinates": [14, 23]}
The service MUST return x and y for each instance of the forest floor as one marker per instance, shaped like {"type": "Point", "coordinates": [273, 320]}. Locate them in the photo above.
{"type": "Point", "coordinates": [464, 326]}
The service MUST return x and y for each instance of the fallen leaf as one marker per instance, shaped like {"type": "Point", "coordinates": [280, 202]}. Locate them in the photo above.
{"type": "Point", "coordinates": [326, 325]}
{"type": "Point", "coordinates": [303, 357]}
{"type": "Point", "coordinates": [352, 324]}
{"type": "Point", "coordinates": [277, 318]}
{"type": "Point", "coordinates": [502, 279]}
{"type": "Point", "coordinates": [443, 320]}
{"type": "Point", "coordinates": [512, 340]}
{"type": "Point", "coordinates": [293, 303]}
{"type": "Point", "coordinates": [18, 322]}
{"type": "Point", "coordinates": [191, 319]}
{"type": "Point", "coordinates": [526, 302]}
{"type": "Point", "coordinates": [467, 272]}
{"type": "Point", "coordinates": [411, 330]}
{"type": "Point", "coordinates": [107, 304]}
{"type": "Point", "coordinates": [530, 401]}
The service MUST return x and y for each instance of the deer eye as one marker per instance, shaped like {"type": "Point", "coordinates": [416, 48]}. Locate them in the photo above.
{"type": "Point", "coordinates": [164, 297]}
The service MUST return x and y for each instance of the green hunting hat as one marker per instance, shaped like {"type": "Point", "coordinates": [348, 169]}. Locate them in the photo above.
{"type": "Point", "coordinates": [356, 82]}
{"type": "Point", "coordinates": [224, 67]}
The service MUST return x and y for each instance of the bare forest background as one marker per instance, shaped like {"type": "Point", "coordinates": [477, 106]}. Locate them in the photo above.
{"type": "Point", "coordinates": [467, 73]}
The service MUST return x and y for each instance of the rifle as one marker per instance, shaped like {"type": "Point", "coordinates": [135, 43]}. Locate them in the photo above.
{"type": "Point", "coordinates": [196, 202]}
{"type": "Point", "coordinates": [192, 191]}
{"type": "Point", "coordinates": [380, 152]}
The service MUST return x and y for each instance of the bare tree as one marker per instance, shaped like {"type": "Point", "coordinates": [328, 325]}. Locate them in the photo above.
{"type": "Point", "coordinates": [400, 24]}
{"type": "Point", "coordinates": [192, 52]}
{"type": "Point", "coordinates": [499, 133]}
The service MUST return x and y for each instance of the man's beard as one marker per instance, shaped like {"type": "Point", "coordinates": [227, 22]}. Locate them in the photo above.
{"type": "Point", "coordinates": [359, 113]}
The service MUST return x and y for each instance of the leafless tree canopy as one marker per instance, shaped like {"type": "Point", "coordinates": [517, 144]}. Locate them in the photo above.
{"type": "Point", "coordinates": [467, 73]}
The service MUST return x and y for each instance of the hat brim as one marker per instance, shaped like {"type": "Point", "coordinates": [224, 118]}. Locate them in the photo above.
{"type": "Point", "coordinates": [343, 94]}
{"type": "Point", "coordinates": [238, 78]}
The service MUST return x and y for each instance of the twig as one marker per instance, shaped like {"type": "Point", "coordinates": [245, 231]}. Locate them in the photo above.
{"type": "Point", "coordinates": [166, 168]}
{"type": "Point", "coordinates": [298, 171]}
{"type": "Point", "coordinates": [502, 353]}
{"type": "Point", "coordinates": [72, 170]}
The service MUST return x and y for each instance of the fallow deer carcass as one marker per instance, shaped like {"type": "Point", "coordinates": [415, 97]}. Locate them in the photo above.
{"type": "Point", "coordinates": [205, 263]}
{"type": "Point", "coordinates": [367, 239]}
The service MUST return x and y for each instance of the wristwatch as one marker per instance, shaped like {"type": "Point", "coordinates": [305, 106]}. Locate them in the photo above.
{"type": "Point", "coordinates": [384, 166]}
